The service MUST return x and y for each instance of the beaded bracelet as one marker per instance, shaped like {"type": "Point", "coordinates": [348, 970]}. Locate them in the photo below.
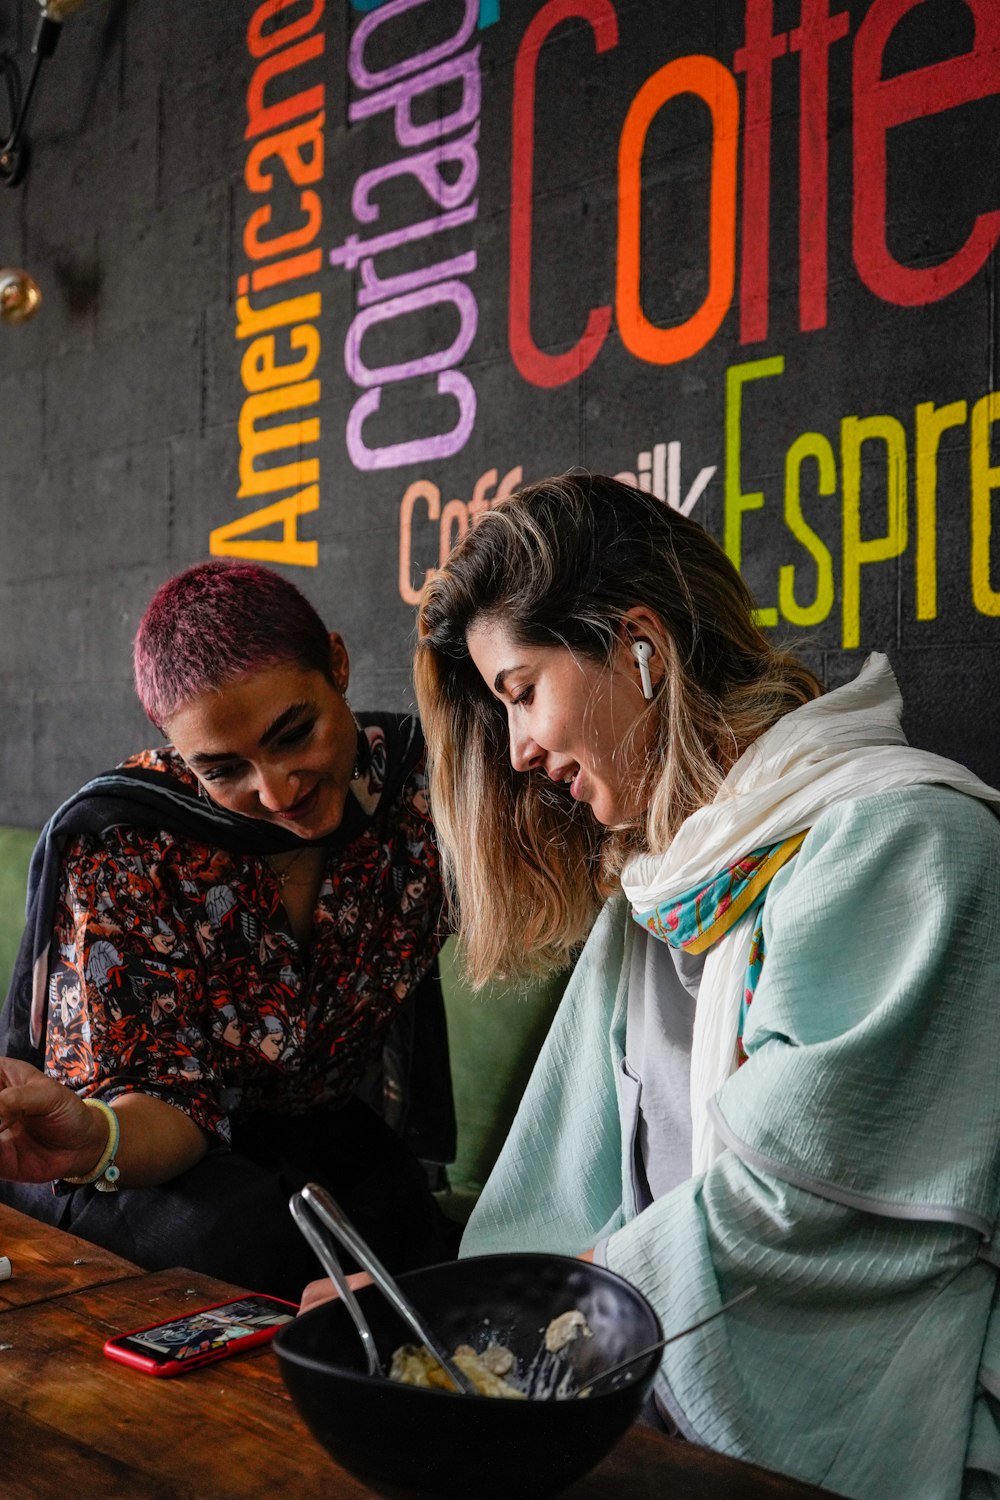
{"type": "Point", "coordinates": [106, 1174]}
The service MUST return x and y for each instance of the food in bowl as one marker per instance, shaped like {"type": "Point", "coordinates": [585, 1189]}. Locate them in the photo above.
{"type": "Point", "coordinates": [404, 1440]}
{"type": "Point", "coordinates": [490, 1368]}
{"type": "Point", "coordinates": [564, 1329]}
{"type": "Point", "coordinates": [417, 1366]}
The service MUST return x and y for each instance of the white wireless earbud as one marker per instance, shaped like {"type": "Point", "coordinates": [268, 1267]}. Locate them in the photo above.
{"type": "Point", "coordinates": [643, 651]}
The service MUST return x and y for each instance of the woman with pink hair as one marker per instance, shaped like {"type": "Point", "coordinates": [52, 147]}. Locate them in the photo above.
{"type": "Point", "coordinates": [227, 939]}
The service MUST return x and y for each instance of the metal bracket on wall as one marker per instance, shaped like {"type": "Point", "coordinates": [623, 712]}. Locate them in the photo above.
{"type": "Point", "coordinates": [14, 151]}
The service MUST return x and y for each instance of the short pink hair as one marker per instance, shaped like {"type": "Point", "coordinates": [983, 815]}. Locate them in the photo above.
{"type": "Point", "coordinates": [216, 622]}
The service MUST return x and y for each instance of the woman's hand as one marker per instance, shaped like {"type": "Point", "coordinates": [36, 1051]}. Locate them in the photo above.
{"type": "Point", "coordinates": [46, 1131]}
{"type": "Point", "coordinates": [318, 1292]}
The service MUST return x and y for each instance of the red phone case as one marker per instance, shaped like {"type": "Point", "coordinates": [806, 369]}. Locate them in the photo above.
{"type": "Point", "coordinates": [201, 1346]}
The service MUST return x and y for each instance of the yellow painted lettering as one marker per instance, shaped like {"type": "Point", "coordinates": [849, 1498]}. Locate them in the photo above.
{"type": "Point", "coordinates": [256, 441]}
{"type": "Point", "coordinates": [985, 479]}
{"type": "Point", "coordinates": [253, 320]}
{"type": "Point", "coordinates": [815, 446]}
{"type": "Point", "coordinates": [931, 422]}
{"type": "Point", "coordinates": [861, 552]}
{"type": "Point", "coordinates": [736, 502]}
{"type": "Point", "coordinates": [231, 540]}
{"type": "Point", "coordinates": [260, 370]}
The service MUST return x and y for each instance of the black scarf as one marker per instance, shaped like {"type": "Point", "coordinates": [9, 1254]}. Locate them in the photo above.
{"type": "Point", "coordinates": [147, 799]}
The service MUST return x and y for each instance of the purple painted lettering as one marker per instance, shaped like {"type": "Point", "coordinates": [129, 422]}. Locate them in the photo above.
{"type": "Point", "coordinates": [464, 70]}
{"type": "Point", "coordinates": [350, 252]}
{"type": "Point", "coordinates": [375, 287]}
{"type": "Point", "coordinates": [397, 307]}
{"type": "Point", "coordinates": [426, 167]}
{"type": "Point", "coordinates": [416, 450]}
{"type": "Point", "coordinates": [360, 75]}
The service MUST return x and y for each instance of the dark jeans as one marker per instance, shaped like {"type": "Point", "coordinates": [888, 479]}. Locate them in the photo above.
{"type": "Point", "coordinates": [228, 1216]}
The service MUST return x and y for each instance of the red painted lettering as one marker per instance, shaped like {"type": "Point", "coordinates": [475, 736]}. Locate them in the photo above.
{"type": "Point", "coordinates": [533, 363]}
{"type": "Point", "coordinates": [756, 58]}
{"type": "Point", "coordinates": [813, 38]}
{"type": "Point", "coordinates": [882, 103]}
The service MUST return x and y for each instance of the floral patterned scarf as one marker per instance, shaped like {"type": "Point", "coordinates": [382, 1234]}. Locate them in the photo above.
{"type": "Point", "coordinates": [697, 919]}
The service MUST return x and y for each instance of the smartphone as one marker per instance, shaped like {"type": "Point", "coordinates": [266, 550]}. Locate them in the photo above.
{"type": "Point", "coordinates": [200, 1338]}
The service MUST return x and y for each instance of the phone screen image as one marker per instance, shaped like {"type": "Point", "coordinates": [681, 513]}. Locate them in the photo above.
{"type": "Point", "coordinates": [195, 1338]}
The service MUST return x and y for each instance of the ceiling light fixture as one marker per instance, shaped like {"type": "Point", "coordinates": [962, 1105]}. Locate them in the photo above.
{"type": "Point", "coordinates": [14, 151]}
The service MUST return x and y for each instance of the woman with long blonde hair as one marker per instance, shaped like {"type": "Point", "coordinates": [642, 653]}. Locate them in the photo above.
{"type": "Point", "coordinates": [776, 1062]}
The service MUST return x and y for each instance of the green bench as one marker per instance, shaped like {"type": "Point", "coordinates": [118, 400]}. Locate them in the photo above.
{"type": "Point", "coordinates": [494, 1036]}
{"type": "Point", "coordinates": [16, 845]}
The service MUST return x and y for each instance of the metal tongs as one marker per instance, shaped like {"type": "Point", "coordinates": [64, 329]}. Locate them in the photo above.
{"type": "Point", "coordinates": [315, 1203]}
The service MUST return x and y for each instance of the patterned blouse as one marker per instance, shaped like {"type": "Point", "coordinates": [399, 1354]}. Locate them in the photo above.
{"type": "Point", "coordinates": [175, 972]}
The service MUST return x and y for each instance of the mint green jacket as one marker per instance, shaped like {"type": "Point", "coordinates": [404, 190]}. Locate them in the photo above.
{"type": "Point", "coordinates": [861, 1187]}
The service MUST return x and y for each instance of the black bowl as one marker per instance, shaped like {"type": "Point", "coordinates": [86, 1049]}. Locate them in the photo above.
{"type": "Point", "coordinates": [405, 1441]}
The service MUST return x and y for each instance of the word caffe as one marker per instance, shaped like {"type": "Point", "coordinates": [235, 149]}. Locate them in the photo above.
{"type": "Point", "coordinates": [880, 106]}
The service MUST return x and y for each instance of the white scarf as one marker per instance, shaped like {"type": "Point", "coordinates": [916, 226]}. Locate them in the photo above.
{"type": "Point", "coordinates": [847, 744]}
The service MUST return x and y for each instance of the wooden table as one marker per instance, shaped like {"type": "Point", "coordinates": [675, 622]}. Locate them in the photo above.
{"type": "Point", "coordinates": [73, 1423]}
{"type": "Point", "coordinates": [48, 1263]}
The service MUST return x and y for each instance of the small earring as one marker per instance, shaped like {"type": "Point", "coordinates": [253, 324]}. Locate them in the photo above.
{"type": "Point", "coordinates": [362, 740]}
{"type": "Point", "coordinates": [643, 651]}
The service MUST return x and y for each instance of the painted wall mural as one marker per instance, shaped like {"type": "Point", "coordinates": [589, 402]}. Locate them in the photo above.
{"type": "Point", "coordinates": [742, 252]}
{"type": "Point", "coordinates": [716, 228]}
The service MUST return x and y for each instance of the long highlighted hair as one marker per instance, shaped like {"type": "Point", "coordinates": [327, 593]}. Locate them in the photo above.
{"type": "Point", "coordinates": [560, 563]}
